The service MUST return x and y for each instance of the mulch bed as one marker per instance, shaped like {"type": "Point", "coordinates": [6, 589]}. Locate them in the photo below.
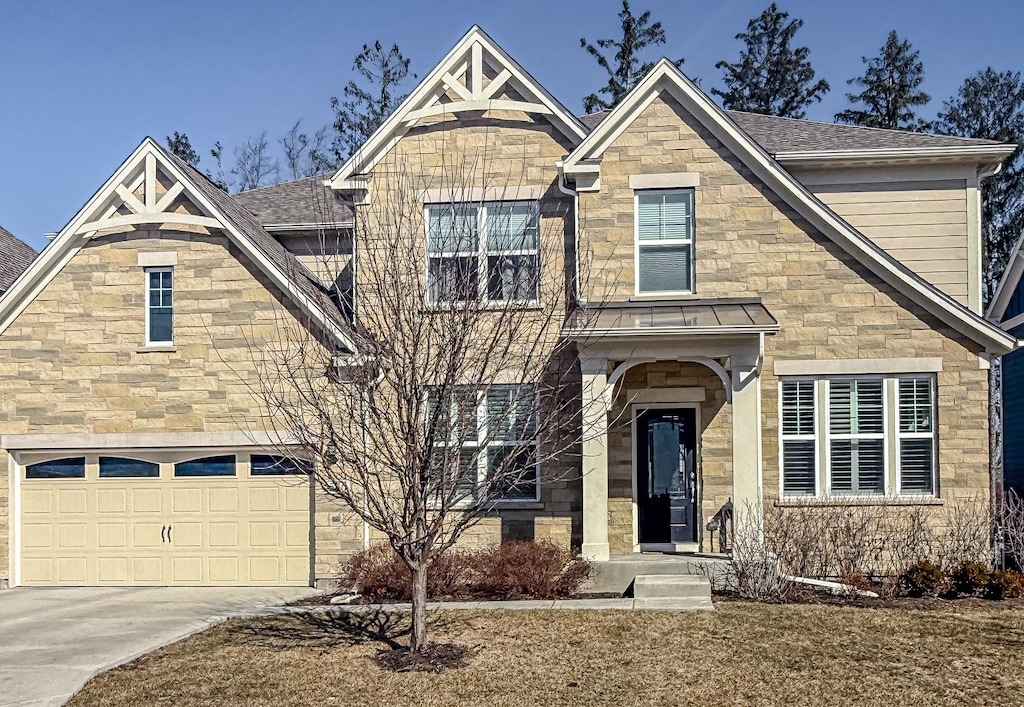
{"type": "Point", "coordinates": [325, 599]}
{"type": "Point", "coordinates": [433, 658]}
{"type": "Point", "coordinates": [810, 596]}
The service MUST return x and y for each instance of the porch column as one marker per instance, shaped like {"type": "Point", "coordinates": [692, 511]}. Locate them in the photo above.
{"type": "Point", "coordinates": [746, 441]}
{"type": "Point", "coordinates": [596, 403]}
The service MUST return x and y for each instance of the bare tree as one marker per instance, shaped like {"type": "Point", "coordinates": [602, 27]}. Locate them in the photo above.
{"type": "Point", "coordinates": [462, 391]}
{"type": "Point", "coordinates": [254, 165]}
{"type": "Point", "coordinates": [305, 154]}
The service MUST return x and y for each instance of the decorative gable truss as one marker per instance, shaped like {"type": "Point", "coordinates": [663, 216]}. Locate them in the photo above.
{"type": "Point", "coordinates": [153, 189]}
{"type": "Point", "coordinates": [476, 76]}
{"type": "Point", "coordinates": [143, 194]}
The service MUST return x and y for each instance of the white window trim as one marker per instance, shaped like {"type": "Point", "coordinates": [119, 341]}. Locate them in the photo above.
{"type": "Point", "coordinates": [148, 306]}
{"type": "Point", "coordinates": [814, 437]}
{"type": "Point", "coordinates": [891, 437]}
{"type": "Point", "coordinates": [481, 253]}
{"type": "Point", "coordinates": [691, 242]}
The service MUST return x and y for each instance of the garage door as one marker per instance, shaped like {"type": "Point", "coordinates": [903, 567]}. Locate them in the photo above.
{"type": "Point", "coordinates": [225, 520]}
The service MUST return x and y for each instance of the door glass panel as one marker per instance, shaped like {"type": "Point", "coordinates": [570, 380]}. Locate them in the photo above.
{"type": "Point", "coordinates": [210, 466]}
{"type": "Point", "coordinates": [57, 469]}
{"type": "Point", "coordinates": [666, 453]}
{"type": "Point", "coordinates": [127, 468]}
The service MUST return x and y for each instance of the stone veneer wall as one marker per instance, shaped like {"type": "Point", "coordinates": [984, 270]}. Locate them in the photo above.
{"type": "Point", "coordinates": [749, 243]}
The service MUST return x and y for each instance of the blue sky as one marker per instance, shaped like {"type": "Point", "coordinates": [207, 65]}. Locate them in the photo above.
{"type": "Point", "coordinates": [82, 83]}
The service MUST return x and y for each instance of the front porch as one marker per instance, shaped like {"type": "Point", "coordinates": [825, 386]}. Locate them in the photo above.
{"type": "Point", "coordinates": [673, 428]}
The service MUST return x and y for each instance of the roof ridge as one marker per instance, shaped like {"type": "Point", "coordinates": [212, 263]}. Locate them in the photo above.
{"type": "Point", "coordinates": [281, 184]}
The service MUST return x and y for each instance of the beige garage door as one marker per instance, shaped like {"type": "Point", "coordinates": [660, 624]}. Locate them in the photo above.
{"type": "Point", "coordinates": [81, 527]}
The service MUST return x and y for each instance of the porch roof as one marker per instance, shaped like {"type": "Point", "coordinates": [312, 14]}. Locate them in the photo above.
{"type": "Point", "coordinates": [703, 317]}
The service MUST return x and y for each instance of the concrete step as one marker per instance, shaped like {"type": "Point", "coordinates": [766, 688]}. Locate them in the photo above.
{"type": "Point", "coordinates": [667, 586]}
{"type": "Point", "coordinates": [665, 604]}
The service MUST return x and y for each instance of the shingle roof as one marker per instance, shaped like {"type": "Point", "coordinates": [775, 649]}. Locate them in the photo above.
{"type": "Point", "coordinates": [15, 257]}
{"type": "Point", "coordinates": [778, 135]}
{"type": "Point", "coordinates": [301, 201]}
{"type": "Point", "coordinates": [304, 280]}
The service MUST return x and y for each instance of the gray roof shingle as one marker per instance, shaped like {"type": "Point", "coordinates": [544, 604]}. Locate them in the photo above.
{"type": "Point", "coordinates": [779, 135]}
{"type": "Point", "coordinates": [15, 257]}
{"type": "Point", "coordinates": [301, 201]}
{"type": "Point", "coordinates": [249, 225]}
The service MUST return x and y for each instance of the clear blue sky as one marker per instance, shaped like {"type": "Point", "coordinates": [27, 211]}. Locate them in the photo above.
{"type": "Point", "coordinates": [81, 83]}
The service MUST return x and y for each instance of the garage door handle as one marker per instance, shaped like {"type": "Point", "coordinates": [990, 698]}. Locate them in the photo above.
{"type": "Point", "coordinates": [163, 533]}
{"type": "Point", "coordinates": [169, 532]}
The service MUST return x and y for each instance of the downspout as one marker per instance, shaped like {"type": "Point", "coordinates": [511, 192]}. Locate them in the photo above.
{"type": "Point", "coordinates": [563, 187]}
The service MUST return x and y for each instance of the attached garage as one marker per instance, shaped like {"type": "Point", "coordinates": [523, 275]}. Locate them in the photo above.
{"type": "Point", "coordinates": [182, 518]}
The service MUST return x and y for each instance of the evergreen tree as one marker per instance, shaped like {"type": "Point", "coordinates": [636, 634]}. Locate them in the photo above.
{"type": "Point", "coordinates": [891, 92]}
{"type": "Point", "coordinates": [362, 108]}
{"type": "Point", "coordinates": [638, 33]}
{"type": "Point", "coordinates": [180, 145]}
{"type": "Point", "coordinates": [990, 105]}
{"type": "Point", "coordinates": [771, 76]}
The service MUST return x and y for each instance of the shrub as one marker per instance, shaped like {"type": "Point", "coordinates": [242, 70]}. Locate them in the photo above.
{"type": "Point", "coordinates": [1004, 584]}
{"type": "Point", "coordinates": [531, 570]}
{"type": "Point", "coordinates": [969, 578]}
{"type": "Point", "coordinates": [512, 570]}
{"type": "Point", "coordinates": [923, 579]}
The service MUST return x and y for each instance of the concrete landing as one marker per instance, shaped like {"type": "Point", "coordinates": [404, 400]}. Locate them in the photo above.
{"type": "Point", "coordinates": [617, 574]}
{"type": "Point", "coordinates": [681, 591]}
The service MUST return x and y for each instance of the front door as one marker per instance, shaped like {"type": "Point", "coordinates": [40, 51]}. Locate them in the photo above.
{"type": "Point", "coordinates": [666, 475]}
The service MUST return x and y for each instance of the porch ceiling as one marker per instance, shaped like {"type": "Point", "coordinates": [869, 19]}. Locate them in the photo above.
{"type": "Point", "coordinates": [674, 318]}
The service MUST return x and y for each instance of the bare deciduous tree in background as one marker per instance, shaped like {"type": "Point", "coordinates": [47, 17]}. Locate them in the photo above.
{"type": "Point", "coordinates": [462, 389]}
{"type": "Point", "coordinates": [305, 154]}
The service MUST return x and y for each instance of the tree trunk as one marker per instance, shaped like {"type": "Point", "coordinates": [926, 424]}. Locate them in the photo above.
{"type": "Point", "coordinates": [418, 639]}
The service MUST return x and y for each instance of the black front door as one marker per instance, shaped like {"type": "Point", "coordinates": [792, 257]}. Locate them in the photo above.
{"type": "Point", "coordinates": [666, 475]}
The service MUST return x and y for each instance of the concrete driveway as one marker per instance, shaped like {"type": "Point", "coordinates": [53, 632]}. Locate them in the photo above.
{"type": "Point", "coordinates": [53, 640]}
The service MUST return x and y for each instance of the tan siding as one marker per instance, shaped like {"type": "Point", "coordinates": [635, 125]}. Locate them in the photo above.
{"type": "Point", "coordinates": [923, 224]}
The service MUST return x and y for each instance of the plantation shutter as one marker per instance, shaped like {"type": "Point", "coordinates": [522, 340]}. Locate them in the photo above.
{"type": "Point", "coordinates": [856, 425]}
{"type": "Point", "coordinates": [665, 241]}
{"type": "Point", "coordinates": [917, 436]}
{"type": "Point", "coordinates": [799, 467]}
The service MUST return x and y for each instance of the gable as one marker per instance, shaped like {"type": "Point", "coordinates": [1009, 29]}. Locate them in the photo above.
{"type": "Point", "coordinates": [476, 76]}
{"type": "Point", "coordinates": [584, 164]}
{"type": "Point", "coordinates": [154, 190]}
{"type": "Point", "coordinates": [1007, 306]}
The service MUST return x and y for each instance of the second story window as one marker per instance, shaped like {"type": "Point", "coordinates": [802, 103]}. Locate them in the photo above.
{"type": "Point", "coordinates": [483, 252]}
{"type": "Point", "coordinates": [159, 306]}
{"type": "Point", "coordinates": [664, 242]}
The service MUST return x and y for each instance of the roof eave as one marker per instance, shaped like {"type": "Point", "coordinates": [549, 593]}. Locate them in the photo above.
{"type": "Point", "coordinates": [974, 154]}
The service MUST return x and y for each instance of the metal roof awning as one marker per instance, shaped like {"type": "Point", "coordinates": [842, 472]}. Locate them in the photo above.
{"type": "Point", "coordinates": [675, 318]}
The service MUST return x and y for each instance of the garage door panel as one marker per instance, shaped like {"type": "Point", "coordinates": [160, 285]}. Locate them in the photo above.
{"type": "Point", "coordinates": [35, 535]}
{"type": "Point", "coordinates": [187, 570]}
{"type": "Point", "coordinates": [224, 570]}
{"type": "Point", "coordinates": [145, 535]}
{"type": "Point", "coordinates": [296, 498]}
{"type": "Point", "coordinates": [223, 535]}
{"type": "Point", "coordinates": [265, 534]}
{"type": "Point", "coordinates": [223, 500]}
{"type": "Point", "coordinates": [147, 500]}
{"type": "Point", "coordinates": [112, 501]}
{"type": "Point", "coordinates": [296, 534]}
{"type": "Point", "coordinates": [187, 534]}
{"type": "Point", "coordinates": [265, 569]}
{"type": "Point", "coordinates": [112, 535]}
{"type": "Point", "coordinates": [72, 500]}
{"type": "Point", "coordinates": [37, 500]}
{"type": "Point", "coordinates": [296, 570]}
{"type": "Point", "coordinates": [72, 570]}
{"type": "Point", "coordinates": [71, 535]}
{"type": "Point", "coordinates": [112, 570]}
{"type": "Point", "coordinates": [262, 500]}
{"type": "Point", "coordinates": [37, 570]}
{"type": "Point", "coordinates": [147, 570]}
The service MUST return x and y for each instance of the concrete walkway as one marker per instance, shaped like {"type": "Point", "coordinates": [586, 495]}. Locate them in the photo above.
{"type": "Point", "coordinates": [53, 640]}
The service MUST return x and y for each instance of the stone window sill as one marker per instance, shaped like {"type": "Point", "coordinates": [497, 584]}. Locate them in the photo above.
{"type": "Point", "coordinates": [156, 349]}
{"type": "Point", "coordinates": [895, 502]}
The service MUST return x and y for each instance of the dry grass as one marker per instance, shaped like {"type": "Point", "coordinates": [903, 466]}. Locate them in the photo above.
{"type": "Point", "coordinates": [747, 654]}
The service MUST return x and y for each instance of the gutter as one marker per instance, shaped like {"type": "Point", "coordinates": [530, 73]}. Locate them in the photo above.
{"type": "Point", "coordinates": [973, 152]}
{"type": "Point", "coordinates": [562, 185]}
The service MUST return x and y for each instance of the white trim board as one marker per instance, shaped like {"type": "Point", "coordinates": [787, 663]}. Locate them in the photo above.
{"type": "Point", "coordinates": [666, 78]}
{"type": "Point", "coordinates": [1007, 284]}
{"type": "Point", "coordinates": [523, 192]}
{"type": "Point", "coordinates": [671, 180]}
{"type": "Point", "coordinates": [857, 366]}
{"type": "Point", "coordinates": [144, 440]}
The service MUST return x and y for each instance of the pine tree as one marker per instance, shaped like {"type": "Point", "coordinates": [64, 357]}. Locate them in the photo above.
{"type": "Point", "coordinates": [180, 145]}
{"type": "Point", "coordinates": [771, 76]}
{"type": "Point", "coordinates": [638, 33]}
{"type": "Point", "coordinates": [891, 92]}
{"type": "Point", "coordinates": [362, 108]}
{"type": "Point", "coordinates": [990, 105]}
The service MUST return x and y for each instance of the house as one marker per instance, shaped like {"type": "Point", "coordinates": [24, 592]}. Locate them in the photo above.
{"type": "Point", "coordinates": [785, 311]}
{"type": "Point", "coordinates": [1007, 310]}
{"type": "Point", "coordinates": [15, 256]}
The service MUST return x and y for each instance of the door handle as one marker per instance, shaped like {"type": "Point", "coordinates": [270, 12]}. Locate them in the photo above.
{"type": "Point", "coordinates": [169, 532]}
{"type": "Point", "coordinates": [163, 532]}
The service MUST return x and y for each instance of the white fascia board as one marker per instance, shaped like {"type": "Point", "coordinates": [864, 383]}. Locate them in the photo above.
{"type": "Point", "coordinates": [670, 332]}
{"type": "Point", "coordinates": [353, 174]}
{"type": "Point", "coordinates": [666, 77]}
{"type": "Point", "coordinates": [1007, 283]}
{"type": "Point", "coordinates": [967, 153]}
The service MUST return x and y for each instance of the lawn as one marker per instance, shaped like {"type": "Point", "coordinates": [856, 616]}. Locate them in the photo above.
{"type": "Point", "coordinates": [750, 654]}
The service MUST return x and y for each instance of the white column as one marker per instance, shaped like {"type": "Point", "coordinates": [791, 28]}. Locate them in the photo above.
{"type": "Point", "coordinates": [746, 441]}
{"type": "Point", "coordinates": [596, 398]}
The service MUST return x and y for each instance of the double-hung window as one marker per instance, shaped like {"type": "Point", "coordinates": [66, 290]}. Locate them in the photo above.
{"type": "Point", "coordinates": [159, 306]}
{"type": "Point", "coordinates": [495, 432]}
{"type": "Point", "coordinates": [488, 252]}
{"type": "Point", "coordinates": [664, 242]}
{"type": "Point", "coordinates": [858, 436]}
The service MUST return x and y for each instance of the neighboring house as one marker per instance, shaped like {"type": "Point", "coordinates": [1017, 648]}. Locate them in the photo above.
{"type": "Point", "coordinates": [788, 310]}
{"type": "Point", "coordinates": [15, 257]}
{"type": "Point", "coordinates": [1007, 310]}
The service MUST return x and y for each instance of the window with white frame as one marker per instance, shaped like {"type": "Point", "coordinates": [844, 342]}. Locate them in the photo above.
{"type": "Point", "coordinates": [664, 241]}
{"type": "Point", "coordinates": [859, 435]}
{"type": "Point", "coordinates": [159, 306]}
{"type": "Point", "coordinates": [496, 432]}
{"type": "Point", "coordinates": [487, 251]}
